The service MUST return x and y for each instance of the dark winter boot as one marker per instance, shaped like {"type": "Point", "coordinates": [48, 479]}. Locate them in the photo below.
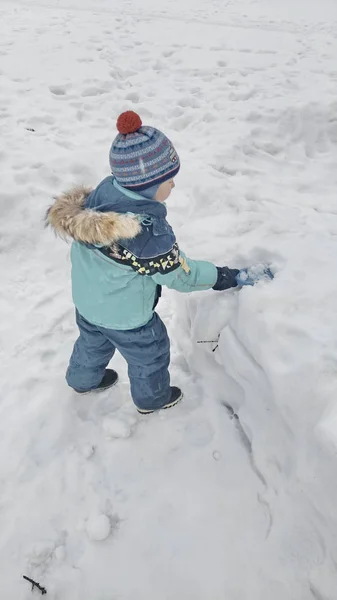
{"type": "Point", "coordinates": [110, 378]}
{"type": "Point", "coordinates": [176, 396]}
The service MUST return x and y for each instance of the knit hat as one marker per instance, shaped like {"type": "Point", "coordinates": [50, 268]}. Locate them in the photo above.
{"type": "Point", "coordinates": [141, 156]}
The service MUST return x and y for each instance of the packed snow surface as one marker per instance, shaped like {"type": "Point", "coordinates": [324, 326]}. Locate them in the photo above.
{"type": "Point", "coordinates": [231, 495]}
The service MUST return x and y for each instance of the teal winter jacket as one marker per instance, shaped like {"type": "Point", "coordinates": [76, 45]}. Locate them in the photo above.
{"type": "Point", "coordinates": [123, 251]}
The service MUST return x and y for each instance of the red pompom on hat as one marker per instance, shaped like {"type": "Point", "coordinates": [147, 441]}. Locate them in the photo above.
{"type": "Point", "coordinates": [128, 122]}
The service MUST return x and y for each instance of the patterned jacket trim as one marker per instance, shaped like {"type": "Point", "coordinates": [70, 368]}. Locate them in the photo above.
{"type": "Point", "coordinates": [162, 264]}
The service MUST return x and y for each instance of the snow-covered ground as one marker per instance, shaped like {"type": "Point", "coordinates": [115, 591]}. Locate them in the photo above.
{"type": "Point", "coordinates": [232, 495]}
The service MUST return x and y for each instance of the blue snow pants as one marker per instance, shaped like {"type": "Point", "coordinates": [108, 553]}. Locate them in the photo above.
{"type": "Point", "coordinates": [146, 350]}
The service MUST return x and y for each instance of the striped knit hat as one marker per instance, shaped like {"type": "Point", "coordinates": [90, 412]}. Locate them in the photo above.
{"type": "Point", "coordinates": [140, 156]}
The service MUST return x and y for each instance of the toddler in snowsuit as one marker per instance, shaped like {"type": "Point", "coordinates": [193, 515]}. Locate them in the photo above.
{"type": "Point", "coordinates": [123, 251]}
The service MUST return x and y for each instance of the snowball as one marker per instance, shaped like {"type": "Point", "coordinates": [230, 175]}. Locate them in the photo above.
{"type": "Point", "coordinates": [115, 428]}
{"type": "Point", "coordinates": [98, 528]}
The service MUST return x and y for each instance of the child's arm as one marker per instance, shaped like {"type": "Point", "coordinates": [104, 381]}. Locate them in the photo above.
{"type": "Point", "coordinates": [172, 268]}
{"type": "Point", "coordinates": [196, 275]}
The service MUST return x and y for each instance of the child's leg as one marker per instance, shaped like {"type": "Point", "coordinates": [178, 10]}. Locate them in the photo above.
{"type": "Point", "coordinates": [147, 352]}
{"type": "Point", "coordinates": [91, 355]}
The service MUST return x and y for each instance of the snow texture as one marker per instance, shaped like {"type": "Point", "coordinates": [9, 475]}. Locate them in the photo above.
{"type": "Point", "coordinates": [232, 494]}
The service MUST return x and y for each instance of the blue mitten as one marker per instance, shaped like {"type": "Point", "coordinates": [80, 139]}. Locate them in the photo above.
{"type": "Point", "coordinates": [252, 275]}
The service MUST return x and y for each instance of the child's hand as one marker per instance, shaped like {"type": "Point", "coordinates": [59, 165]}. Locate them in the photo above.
{"type": "Point", "coordinates": [226, 279]}
{"type": "Point", "coordinates": [252, 275]}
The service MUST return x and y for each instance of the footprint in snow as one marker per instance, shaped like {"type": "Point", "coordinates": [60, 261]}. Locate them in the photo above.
{"type": "Point", "coordinates": [177, 111]}
{"type": "Point", "coordinates": [93, 407]}
{"type": "Point", "coordinates": [189, 102]}
{"type": "Point", "coordinates": [58, 90]}
{"type": "Point", "coordinates": [182, 122]}
{"type": "Point", "coordinates": [168, 53]}
{"type": "Point", "coordinates": [242, 96]}
{"type": "Point", "coordinates": [93, 91]}
{"type": "Point", "coordinates": [133, 97]}
{"type": "Point", "coordinates": [85, 59]}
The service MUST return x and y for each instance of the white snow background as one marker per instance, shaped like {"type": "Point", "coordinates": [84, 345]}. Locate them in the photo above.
{"type": "Point", "coordinates": [196, 503]}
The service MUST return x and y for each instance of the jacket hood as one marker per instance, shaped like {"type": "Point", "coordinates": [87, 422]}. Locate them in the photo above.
{"type": "Point", "coordinates": [69, 217]}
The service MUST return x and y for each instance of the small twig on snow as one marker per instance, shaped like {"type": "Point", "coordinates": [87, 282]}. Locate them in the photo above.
{"type": "Point", "coordinates": [35, 585]}
{"type": "Point", "coordinates": [210, 342]}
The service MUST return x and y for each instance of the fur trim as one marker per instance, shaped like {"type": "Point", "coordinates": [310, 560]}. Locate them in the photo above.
{"type": "Point", "coordinates": [68, 217]}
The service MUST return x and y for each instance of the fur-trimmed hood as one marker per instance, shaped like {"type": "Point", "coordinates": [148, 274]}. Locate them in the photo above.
{"type": "Point", "coordinates": [69, 218]}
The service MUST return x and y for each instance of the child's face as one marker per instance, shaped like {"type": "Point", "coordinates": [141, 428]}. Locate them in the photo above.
{"type": "Point", "coordinates": [165, 190]}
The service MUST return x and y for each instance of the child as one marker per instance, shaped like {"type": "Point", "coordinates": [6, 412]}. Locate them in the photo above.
{"type": "Point", "coordinates": [123, 251]}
